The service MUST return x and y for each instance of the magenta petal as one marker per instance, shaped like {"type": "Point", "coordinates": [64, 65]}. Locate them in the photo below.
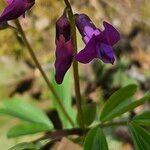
{"type": "Point", "coordinates": [105, 53]}
{"type": "Point", "coordinates": [111, 34]}
{"type": "Point", "coordinates": [64, 57]}
{"type": "Point", "coordinates": [88, 53]}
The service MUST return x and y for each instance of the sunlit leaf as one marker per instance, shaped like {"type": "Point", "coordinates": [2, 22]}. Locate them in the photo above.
{"type": "Point", "coordinates": [25, 111]}
{"type": "Point", "coordinates": [65, 92]}
{"type": "Point", "coordinates": [26, 129]}
{"type": "Point", "coordinates": [24, 146]}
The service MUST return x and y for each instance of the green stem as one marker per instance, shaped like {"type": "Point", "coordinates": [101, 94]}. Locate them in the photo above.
{"type": "Point", "coordinates": [42, 71]}
{"type": "Point", "coordinates": [75, 64]}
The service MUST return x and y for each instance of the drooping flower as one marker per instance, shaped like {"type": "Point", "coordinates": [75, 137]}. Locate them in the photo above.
{"type": "Point", "coordinates": [98, 43]}
{"type": "Point", "coordinates": [64, 48]}
{"type": "Point", "coordinates": [15, 8]}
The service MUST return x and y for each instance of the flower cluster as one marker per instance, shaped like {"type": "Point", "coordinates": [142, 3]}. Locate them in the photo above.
{"type": "Point", "coordinates": [98, 44]}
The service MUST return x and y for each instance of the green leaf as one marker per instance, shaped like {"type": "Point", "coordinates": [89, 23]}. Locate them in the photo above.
{"type": "Point", "coordinates": [24, 146]}
{"type": "Point", "coordinates": [25, 111]}
{"type": "Point", "coordinates": [40, 144]}
{"type": "Point", "coordinates": [26, 129]}
{"type": "Point", "coordinates": [117, 101]}
{"type": "Point", "coordinates": [31, 145]}
{"type": "Point", "coordinates": [65, 92]}
{"type": "Point", "coordinates": [95, 140]}
{"type": "Point", "coordinates": [141, 137]}
{"type": "Point", "coordinates": [89, 113]}
{"type": "Point", "coordinates": [142, 119]}
{"type": "Point", "coordinates": [121, 107]}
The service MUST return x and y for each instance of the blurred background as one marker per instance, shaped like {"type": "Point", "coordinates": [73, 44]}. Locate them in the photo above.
{"type": "Point", "coordinates": [20, 78]}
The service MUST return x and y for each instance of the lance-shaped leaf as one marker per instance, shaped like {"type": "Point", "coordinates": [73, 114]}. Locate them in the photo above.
{"type": "Point", "coordinates": [25, 111]}
{"type": "Point", "coordinates": [121, 98]}
{"type": "Point", "coordinates": [24, 146]}
{"type": "Point", "coordinates": [30, 145]}
{"type": "Point", "coordinates": [142, 119]}
{"type": "Point", "coordinates": [141, 137]}
{"type": "Point", "coordinates": [26, 129]}
{"type": "Point", "coordinates": [95, 140]}
{"type": "Point", "coordinates": [124, 106]}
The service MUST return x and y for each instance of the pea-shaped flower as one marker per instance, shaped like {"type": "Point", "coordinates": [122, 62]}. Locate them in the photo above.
{"type": "Point", "coordinates": [64, 48]}
{"type": "Point", "coordinates": [98, 43]}
{"type": "Point", "coordinates": [15, 8]}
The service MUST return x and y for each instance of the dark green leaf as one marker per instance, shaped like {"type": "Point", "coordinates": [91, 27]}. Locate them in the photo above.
{"type": "Point", "coordinates": [26, 129]}
{"type": "Point", "coordinates": [140, 136]}
{"type": "Point", "coordinates": [143, 119]}
{"type": "Point", "coordinates": [132, 105]}
{"type": "Point", "coordinates": [89, 113]}
{"type": "Point", "coordinates": [95, 140]}
{"type": "Point", "coordinates": [25, 111]}
{"type": "Point", "coordinates": [120, 99]}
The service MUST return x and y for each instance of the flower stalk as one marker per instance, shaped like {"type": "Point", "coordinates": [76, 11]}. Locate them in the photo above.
{"type": "Point", "coordinates": [75, 64]}
{"type": "Point", "coordinates": [50, 86]}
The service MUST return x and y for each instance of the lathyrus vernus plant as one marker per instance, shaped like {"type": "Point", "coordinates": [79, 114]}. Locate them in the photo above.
{"type": "Point", "coordinates": [89, 124]}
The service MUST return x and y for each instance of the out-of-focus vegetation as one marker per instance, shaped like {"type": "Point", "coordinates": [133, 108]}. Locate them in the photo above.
{"type": "Point", "coordinates": [20, 78]}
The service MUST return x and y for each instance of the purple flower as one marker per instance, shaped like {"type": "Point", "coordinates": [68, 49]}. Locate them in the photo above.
{"type": "Point", "coordinates": [64, 48]}
{"type": "Point", "coordinates": [15, 8]}
{"type": "Point", "coordinates": [98, 43]}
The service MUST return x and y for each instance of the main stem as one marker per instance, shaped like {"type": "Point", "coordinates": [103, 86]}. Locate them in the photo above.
{"type": "Point", "coordinates": [75, 64]}
{"type": "Point", "coordinates": [42, 71]}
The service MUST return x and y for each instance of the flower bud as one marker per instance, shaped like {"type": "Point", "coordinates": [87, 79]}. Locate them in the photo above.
{"type": "Point", "coordinates": [64, 48]}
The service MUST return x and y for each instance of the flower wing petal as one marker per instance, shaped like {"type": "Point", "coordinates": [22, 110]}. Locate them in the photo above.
{"type": "Point", "coordinates": [111, 34]}
{"type": "Point", "coordinates": [88, 53]}
{"type": "Point", "coordinates": [105, 53]}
